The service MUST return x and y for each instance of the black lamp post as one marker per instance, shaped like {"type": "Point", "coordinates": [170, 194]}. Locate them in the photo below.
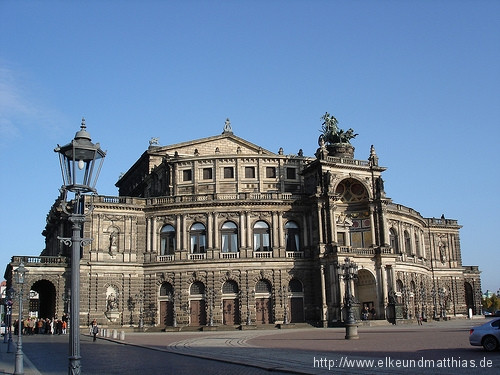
{"type": "Point", "coordinates": [81, 163]}
{"type": "Point", "coordinates": [20, 275]}
{"type": "Point", "coordinates": [348, 271]}
{"type": "Point", "coordinates": [8, 332]}
{"type": "Point", "coordinates": [140, 296]}
{"type": "Point", "coordinates": [284, 294]}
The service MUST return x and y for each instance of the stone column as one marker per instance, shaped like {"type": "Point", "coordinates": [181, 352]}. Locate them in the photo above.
{"type": "Point", "coordinates": [178, 232]}
{"type": "Point", "coordinates": [324, 306]}
{"type": "Point", "coordinates": [372, 225]}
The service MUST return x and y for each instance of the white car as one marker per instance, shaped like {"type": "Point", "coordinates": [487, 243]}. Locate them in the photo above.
{"type": "Point", "coordinates": [486, 335]}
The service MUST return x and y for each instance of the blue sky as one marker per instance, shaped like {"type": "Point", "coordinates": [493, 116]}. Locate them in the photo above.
{"type": "Point", "coordinates": [417, 79]}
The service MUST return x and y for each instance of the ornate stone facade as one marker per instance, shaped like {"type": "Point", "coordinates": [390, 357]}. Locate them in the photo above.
{"type": "Point", "coordinates": [219, 231]}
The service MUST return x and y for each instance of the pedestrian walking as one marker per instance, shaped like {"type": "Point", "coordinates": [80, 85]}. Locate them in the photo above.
{"type": "Point", "coordinates": [419, 319]}
{"type": "Point", "coordinates": [95, 329]}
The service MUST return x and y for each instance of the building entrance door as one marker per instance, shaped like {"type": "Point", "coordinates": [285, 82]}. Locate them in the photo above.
{"type": "Point", "coordinates": [263, 310]}
{"type": "Point", "coordinates": [231, 310]}
{"type": "Point", "coordinates": [167, 313]}
{"type": "Point", "coordinates": [296, 310]}
{"type": "Point", "coordinates": [198, 313]}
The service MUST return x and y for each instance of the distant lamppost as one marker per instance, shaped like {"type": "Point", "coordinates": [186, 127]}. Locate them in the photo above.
{"type": "Point", "coordinates": [434, 303]}
{"type": "Point", "coordinates": [20, 275]}
{"type": "Point", "coordinates": [284, 294]}
{"type": "Point", "coordinates": [442, 302]}
{"type": "Point", "coordinates": [348, 271]}
{"type": "Point", "coordinates": [172, 297]}
{"type": "Point", "coordinates": [249, 293]}
{"type": "Point", "coordinates": [10, 294]}
{"type": "Point", "coordinates": [210, 296]}
{"type": "Point", "coordinates": [423, 297]}
{"type": "Point", "coordinates": [140, 296]}
{"type": "Point", "coordinates": [81, 163]}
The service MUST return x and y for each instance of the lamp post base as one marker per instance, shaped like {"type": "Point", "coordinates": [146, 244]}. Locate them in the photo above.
{"type": "Point", "coordinates": [351, 332]}
{"type": "Point", "coordinates": [19, 365]}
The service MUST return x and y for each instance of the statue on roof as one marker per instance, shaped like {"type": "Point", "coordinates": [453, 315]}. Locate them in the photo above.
{"type": "Point", "coordinates": [331, 133]}
{"type": "Point", "coordinates": [227, 127]}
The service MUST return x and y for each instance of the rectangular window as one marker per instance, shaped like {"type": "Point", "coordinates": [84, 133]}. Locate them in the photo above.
{"type": "Point", "coordinates": [356, 239]}
{"type": "Point", "coordinates": [187, 175]}
{"type": "Point", "coordinates": [271, 172]}
{"type": "Point", "coordinates": [207, 173]}
{"type": "Point", "coordinates": [228, 172]}
{"type": "Point", "coordinates": [291, 173]}
{"type": "Point", "coordinates": [341, 238]}
{"type": "Point", "coordinates": [249, 172]}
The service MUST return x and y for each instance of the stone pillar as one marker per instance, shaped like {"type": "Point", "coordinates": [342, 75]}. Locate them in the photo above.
{"type": "Point", "coordinates": [372, 226]}
{"type": "Point", "coordinates": [178, 232]}
{"type": "Point", "coordinates": [210, 231]}
{"type": "Point", "coordinates": [320, 229]}
{"type": "Point", "coordinates": [242, 237]}
{"type": "Point", "coordinates": [334, 223]}
{"type": "Point", "coordinates": [148, 234]}
{"type": "Point", "coordinates": [324, 306]}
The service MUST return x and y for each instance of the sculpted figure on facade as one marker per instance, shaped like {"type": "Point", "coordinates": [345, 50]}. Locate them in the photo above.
{"type": "Point", "coordinates": [332, 134]}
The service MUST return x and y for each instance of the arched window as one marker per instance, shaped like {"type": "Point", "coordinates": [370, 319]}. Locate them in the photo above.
{"type": "Point", "coordinates": [399, 291]}
{"type": "Point", "coordinates": [197, 288]}
{"type": "Point", "coordinates": [295, 286]}
{"type": "Point", "coordinates": [230, 287]}
{"type": "Point", "coordinates": [229, 233]}
{"type": "Point", "coordinates": [167, 240]}
{"type": "Point", "coordinates": [407, 238]}
{"type": "Point", "coordinates": [351, 190]}
{"type": "Point", "coordinates": [393, 236]}
{"type": "Point", "coordinates": [292, 236]}
{"type": "Point", "coordinates": [261, 236]}
{"type": "Point", "coordinates": [198, 237]}
{"type": "Point", "coordinates": [417, 245]}
{"type": "Point", "coordinates": [263, 286]}
{"type": "Point", "coordinates": [166, 290]}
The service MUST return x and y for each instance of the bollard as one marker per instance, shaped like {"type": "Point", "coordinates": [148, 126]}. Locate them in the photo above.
{"type": "Point", "coordinates": [122, 335]}
{"type": "Point", "coordinates": [115, 334]}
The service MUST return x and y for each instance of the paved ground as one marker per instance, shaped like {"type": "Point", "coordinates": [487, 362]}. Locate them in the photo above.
{"type": "Point", "coordinates": [434, 348]}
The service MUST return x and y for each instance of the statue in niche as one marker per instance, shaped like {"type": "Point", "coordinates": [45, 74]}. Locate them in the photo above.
{"type": "Point", "coordinates": [112, 305]}
{"type": "Point", "coordinates": [442, 252]}
{"type": "Point", "coordinates": [113, 243]}
{"type": "Point", "coordinates": [112, 302]}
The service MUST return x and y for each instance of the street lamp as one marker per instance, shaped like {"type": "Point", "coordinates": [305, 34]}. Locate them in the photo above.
{"type": "Point", "coordinates": [284, 294]}
{"type": "Point", "coordinates": [81, 163]}
{"type": "Point", "coordinates": [20, 275]}
{"type": "Point", "coordinates": [10, 294]}
{"type": "Point", "coordinates": [348, 271]}
{"type": "Point", "coordinates": [210, 297]}
{"type": "Point", "coordinates": [140, 296]}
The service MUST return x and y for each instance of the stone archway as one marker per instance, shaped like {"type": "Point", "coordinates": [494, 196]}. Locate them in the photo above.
{"type": "Point", "coordinates": [469, 298]}
{"type": "Point", "coordinates": [45, 305]}
{"type": "Point", "coordinates": [366, 293]}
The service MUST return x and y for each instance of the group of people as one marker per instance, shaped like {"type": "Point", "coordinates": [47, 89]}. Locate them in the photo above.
{"type": "Point", "coordinates": [368, 313]}
{"type": "Point", "coordinates": [31, 326]}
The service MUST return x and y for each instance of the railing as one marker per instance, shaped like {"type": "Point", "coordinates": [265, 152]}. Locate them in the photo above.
{"type": "Point", "coordinates": [295, 254]}
{"type": "Point", "coordinates": [222, 197]}
{"type": "Point", "coordinates": [335, 159]}
{"type": "Point", "coordinates": [197, 256]}
{"type": "Point", "coordinates": [355, 250]}
{"type": "Point", "coordinates": [31, 260]}
{"type": "Point", "coordinates": [229, 255]}
{"type": "Point", "coordinates": [164, 258]}
{"type": "Point", "coordinates": [262, 254]}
